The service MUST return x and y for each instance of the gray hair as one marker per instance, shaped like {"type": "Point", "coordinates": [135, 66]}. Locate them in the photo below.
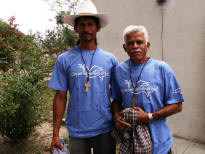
{"type": "Point", "coordinates": [133, 28]}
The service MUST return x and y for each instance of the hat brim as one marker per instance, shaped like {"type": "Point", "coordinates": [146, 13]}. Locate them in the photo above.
{"type": "Point", "coordinates": [70, 19]}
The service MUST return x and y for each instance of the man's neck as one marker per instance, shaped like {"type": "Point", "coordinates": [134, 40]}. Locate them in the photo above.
{"type": "Point", "coordinates": [88, 45]}
{"type": "Point", "coordinates": [142, 61]}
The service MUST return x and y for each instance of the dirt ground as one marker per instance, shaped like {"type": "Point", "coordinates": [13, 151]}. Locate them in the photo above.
{"type": "Point", "coordinates": [38, 142]}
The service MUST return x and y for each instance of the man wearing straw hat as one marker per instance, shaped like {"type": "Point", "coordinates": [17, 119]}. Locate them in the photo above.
{"type": "Point", "coordinates": [85, 71]}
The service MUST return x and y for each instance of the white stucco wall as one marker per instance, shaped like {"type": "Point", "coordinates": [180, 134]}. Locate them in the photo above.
{"type": "Point", "coordinates": [177, 36]}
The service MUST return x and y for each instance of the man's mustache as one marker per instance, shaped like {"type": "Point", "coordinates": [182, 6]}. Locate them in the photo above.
{"type": "Point", "coordinates": [86, 33]}
{"type": "Point", "coordinates": [136, 50]}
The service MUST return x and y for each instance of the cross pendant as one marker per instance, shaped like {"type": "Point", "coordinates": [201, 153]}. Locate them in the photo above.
{"type": "Point", "coordinates": [87, 85]}
{"type": "Point", "coordinates": [134, 102]}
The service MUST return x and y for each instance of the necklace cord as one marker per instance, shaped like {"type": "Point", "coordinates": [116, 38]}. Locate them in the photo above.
{"type": "Point", "coordinates": [87, 70]}
{"type": "Point", "coordinates": [135, 85]}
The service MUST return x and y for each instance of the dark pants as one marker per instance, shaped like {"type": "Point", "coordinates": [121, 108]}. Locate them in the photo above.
{"type": "Point", "coordinates": [101, 144]}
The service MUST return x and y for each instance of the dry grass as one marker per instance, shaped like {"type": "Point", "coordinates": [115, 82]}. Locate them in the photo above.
{"type": "Point", "coordinates": [37, 143]}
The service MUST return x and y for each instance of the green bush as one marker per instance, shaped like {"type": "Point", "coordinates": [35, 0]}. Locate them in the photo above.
{"type": "Point", "coordinates": [21, 106]}
{"type": "Point", "coordinates": [21, 84]}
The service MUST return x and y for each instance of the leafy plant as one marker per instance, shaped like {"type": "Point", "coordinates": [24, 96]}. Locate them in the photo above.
{"type": "Point", "coordinates": [21, 106]}
{"type": "Point", "coordinates": [58, 40]}
{"type": "Point", "coordinates": [62, 37]}
{"type": "Point", "coordinates": [10, 42]}
{"type": "Point", "coordinates": [25, 61]}
{"type": "Point", "coordinates": [21, 84]}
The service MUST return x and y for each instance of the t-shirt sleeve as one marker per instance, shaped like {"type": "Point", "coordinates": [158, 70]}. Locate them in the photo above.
{"type": "Point", "coordinates": [59, 78]}
{"type": "Point", "coordinates": [173, 93]}
{"type": "Point", "coordinates": [116, 93]}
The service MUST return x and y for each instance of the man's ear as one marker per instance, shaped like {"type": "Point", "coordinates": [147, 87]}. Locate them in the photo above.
{"type": "Point", "coordinates": [148, 45]}
{"type": "Point", "coordinates": [75, 28]}
{"type": "Point", "coordinates": [98, 28]}
{"type": "Point", "coordinates": [124, 47]}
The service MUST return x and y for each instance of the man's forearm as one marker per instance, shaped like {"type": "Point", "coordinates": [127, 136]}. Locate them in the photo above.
{"type": "Point", "coordinates": [59, 105]}
{"type": "Point", "coordinates": [167, 111]}
{"type": "Point", "coordinates": [115, 107]}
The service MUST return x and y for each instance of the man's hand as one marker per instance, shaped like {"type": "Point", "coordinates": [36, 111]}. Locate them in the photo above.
{"type": "Point", "coordinates": [142, 117]}
{"type": "Point", "coordinates": [120, 123]}
{"type": "Point", "coordinates": [166, 111]}
{"type": "Point", "coordinates": [59, 105]}
{"type": "Point", "coordinates": [55, 143]}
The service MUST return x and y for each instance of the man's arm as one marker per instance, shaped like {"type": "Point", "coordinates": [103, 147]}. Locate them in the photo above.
{"type": "Point", "coordinates": [59, 105]}
{"type": "Point", "coordinates": [116, 109]}
{"type": "Point", "coordinates": [166, 111]}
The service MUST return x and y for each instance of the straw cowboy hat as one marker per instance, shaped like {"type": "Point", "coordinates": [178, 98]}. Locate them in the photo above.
{"type": "Point", "coordinates": [87, 8]}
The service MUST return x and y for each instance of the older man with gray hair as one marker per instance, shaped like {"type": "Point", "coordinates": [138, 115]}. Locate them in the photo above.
{"type": "Point", "coordinates": [148, 84]}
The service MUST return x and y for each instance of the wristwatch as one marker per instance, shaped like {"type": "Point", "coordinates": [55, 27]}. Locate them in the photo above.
{"type": "Point", "coordinates": [150, 117]}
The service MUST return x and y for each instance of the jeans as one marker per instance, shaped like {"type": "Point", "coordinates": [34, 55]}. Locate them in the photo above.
{"type": "Point", "coordinates": [101, 144]}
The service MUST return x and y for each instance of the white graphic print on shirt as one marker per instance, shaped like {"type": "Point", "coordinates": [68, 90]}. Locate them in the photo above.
{"type": "Point", "coordinates": [95, 71]}
{"type": "Point", "coordinates": [142, 87]}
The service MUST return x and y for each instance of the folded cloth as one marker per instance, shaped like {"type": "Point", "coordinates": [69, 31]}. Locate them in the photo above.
{"type": "Point", "coordinates": [130, 116]}
{"type": "Point", "coordinates": [58, 151]}
{"type": "Point", "coordinates": [135, 139]}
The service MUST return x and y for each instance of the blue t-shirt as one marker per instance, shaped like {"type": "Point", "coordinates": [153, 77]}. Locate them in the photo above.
{"type": "Point", "coordinates": [156, 88]}
{"type": "Point", "coordinates": [88, 113]}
